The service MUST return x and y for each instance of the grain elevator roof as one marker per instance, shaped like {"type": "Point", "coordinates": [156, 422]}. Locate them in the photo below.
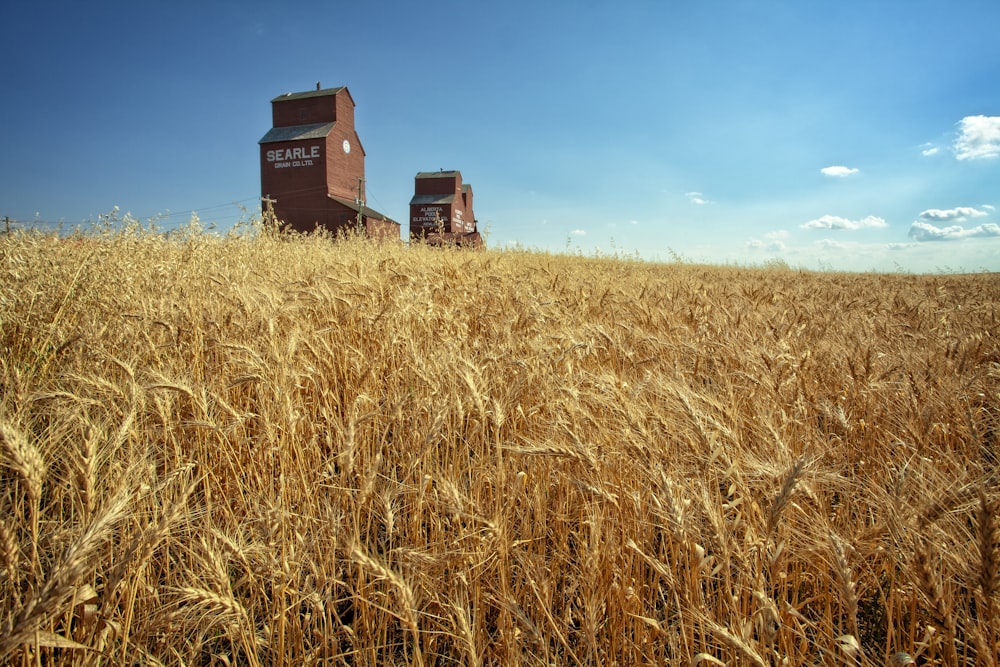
{"type": "Point", "coordinates": [437, 174]}
{"type": "Point", "coordinates": [426, 200]}
{"type": "Point", "coordinates": [296, 132]}
{"type": "Point", "coordinates": [309, 93]}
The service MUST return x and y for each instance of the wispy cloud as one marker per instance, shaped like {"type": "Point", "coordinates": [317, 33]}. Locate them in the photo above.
{"type": "Point", "coordinates": [696, 198]}
{"type": "Point", "coordinates": [772, 242]}
{"type": "Point", "coordinates": [830, 244]}
{"type": "Point", "coordinates": [836, 222]}
{"type": "Point", "coordinates": [978, 138]}
{"type": "Point", "coordinates": [838, 171]}
{"type": "Point", "coordinates": [924, 231]}
{"type": "Point", "coordinates": [768, 246]}
{"type": "Point", "coordinates": [929, 150]}
{"type": "Point", "coordinates": [960, 214]}
{"type": "Point", "coordinates": [579, 232]}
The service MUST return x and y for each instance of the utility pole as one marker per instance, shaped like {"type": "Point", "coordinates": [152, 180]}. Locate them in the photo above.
{"type": "Point", "coordinates": [360, 201]}
{"type": "Point", "coordinates": [270, 221]}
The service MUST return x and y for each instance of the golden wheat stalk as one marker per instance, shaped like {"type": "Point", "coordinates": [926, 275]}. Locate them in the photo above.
{"type": "Point", "coordinates": [62, 581]}
{"type": "Point", "coordinates": [941, 610]}
{"type": "Point", "coordinates": [10, 553]}
{"type": "Point", "coordinates": [989, 576]}
{"type": "Point", "coordinates": [86, 471]}
{"type": "Point", "coordinates": [407, 600]}
{"type": "Point", "coordinates": [210, 605]}
{"type": "Point", "coordinates": [24, 458]}
{"type": "Point", "coordinates": [784, 496]}
{"type": "Point", "coordinates": [741, 646]}
{"type": "Point", "coordinates": [848, 588]}
{"type": "Point", "coordinates": [462, 620]}
{"type": "Point", "coordinates": [144, 543]}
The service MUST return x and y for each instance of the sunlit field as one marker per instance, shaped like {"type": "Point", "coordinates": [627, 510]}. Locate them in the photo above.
{"type": "Point", "coordinates": [254, 450]}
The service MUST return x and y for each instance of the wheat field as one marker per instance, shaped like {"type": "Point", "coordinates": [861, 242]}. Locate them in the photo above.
{"type": "Point", "coordinates": [256, 450]}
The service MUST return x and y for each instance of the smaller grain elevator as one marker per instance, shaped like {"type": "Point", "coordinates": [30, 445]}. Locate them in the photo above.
{"type": "Point", "coordinates": [441, 210]}
{"type": "Point", "coordinates": [312, 165]}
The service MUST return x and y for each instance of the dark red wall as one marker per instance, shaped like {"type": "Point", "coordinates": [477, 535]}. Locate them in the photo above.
{"type": "Point", "coordinates": [434, 185]}
{"type": "Point", "coordinates": [344, 169]}
{"type": "Point", "coordinates": [305, 111]}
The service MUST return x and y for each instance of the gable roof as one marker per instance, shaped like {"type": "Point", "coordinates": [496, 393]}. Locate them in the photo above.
{"type": "Point", "coordinates": [438, 174]}
{"type": "Point", "coordinates": [423, 200]}
{"type": "Point", "coordinates": [362, 209]}
{"type": "Point", "coordinates": [296, 132]}
{"type": "Point", "coordinates": [311, 93]}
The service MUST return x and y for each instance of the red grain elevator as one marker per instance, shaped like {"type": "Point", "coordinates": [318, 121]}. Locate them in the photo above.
{"type": "Point", "coordinates": [441, 210]}
{"type": "Point", "coordinates": [312, 165]}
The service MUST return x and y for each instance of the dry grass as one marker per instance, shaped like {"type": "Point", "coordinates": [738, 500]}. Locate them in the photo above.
{"type": "Point", "coordinates": [292, 452]}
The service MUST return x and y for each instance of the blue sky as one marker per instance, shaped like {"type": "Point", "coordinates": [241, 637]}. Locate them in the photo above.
{"type": "Point", "coordinates": [852, 135]}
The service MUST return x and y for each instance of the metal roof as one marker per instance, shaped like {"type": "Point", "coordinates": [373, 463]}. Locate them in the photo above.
{"type": "Point", "coordinates": [296, 132]}
{"type": "Point", "coordinates": [423, 200]}
{"type": "Point", "coordinates": [437, 174]}
{"type": "Point", "coordinates": [309, 93]}
{"type": "Point", "coordinates": [362, 208]}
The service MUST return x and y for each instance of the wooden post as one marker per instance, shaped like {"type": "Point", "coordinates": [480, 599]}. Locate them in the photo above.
{"type": "Point", "coordinates": [360, 201]}
{"type": "Point", "coordinates": [269, 219]}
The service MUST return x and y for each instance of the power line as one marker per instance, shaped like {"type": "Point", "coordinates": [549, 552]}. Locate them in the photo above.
{"type": "Point", "coordinates": [168, 217]}
{"type": "Point", "coordinates": [195, 211]}
{"type": "Point", "coordinates": [159, 217]}
{"type": "Point", "coordinates": [370, 195]}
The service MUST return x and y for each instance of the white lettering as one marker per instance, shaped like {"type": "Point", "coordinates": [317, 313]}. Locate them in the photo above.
{"type": "Point", "coordinates": [430, 216]}
{"type": "Point", "coordinates": [303, 153]}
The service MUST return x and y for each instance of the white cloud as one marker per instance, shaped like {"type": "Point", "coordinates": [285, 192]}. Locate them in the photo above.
{"type": "Point", "coordinates": [633, 222]}
{"type": "Point", "coordinates": [960, 214]}
{"type": "Point", "coordinates": [933, 150]}
{"type": "Point", "coordinates": [769, 246]}
{"type": "Point", "coordinates": [696, 198]}
{"type": "Point", "coordinates": [775, 235]}
{"type": "Point", "coordinates": [579, 232]}
{"type": "Point", "coordinates": [836, 222]}
{"type": "Point", "coordinates": [989, 207]}
{"type": "Point", "coordinates": [838, 171]}
{"type": "Point", "coordinates": [978, 139]}
{"type": "Point", "coordinates": [924, 231]}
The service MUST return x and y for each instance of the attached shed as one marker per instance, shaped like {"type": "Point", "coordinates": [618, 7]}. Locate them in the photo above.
{"type": "Point", "coordinates": [312, 165]}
